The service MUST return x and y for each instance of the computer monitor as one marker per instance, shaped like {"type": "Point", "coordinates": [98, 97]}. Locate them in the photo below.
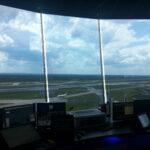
{"type": "Point", "coordinates": [17, 115]}
{"type": "Point", "coordinates": [44, 111]}
{"type": "Point", "coordinates": [144, 120]}
{"type": "Point", "coordinates": [122, 110]}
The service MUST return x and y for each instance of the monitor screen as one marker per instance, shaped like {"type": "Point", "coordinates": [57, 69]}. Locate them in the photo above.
{"type": "Point", "coordinates": [144, 120]}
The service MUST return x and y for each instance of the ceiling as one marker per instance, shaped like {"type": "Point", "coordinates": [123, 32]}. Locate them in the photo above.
{"type": "Point", "coordinates": [103, 9]}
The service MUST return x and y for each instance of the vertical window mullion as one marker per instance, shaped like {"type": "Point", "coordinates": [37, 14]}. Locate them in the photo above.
{"type": "Point", "coordinates": [102, 67]}
{"type": "Point", "coordinates": [44, 60]}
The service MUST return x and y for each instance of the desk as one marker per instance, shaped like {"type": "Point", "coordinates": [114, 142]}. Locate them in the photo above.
{"type": "Point", "coordinates": [96, 140]}
{"type": "Point", "coordinates": [122, 131]}
{"type": "Point", "coordinates": [121, 139]}
{"type": "Point", "coordinates": [100, 134]}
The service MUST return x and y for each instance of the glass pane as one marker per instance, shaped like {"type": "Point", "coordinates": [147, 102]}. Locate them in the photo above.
{"type": "Point", "coordinates": [21, 74]}
{"type": "Point", "coordinates": [73, 61]}
{"type": "Point", "coordinates": [127, 59]}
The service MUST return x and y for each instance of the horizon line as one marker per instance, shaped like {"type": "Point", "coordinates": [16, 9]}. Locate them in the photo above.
{"type": "Point", "coordinates": [71, 74]}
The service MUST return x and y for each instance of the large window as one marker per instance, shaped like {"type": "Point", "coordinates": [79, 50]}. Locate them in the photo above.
{"type": "Point", "coordinates": [73, 61]}
{"type": "Point", "coordinates": [21, 73]}
{"type": "Point", "coordinates": [127, 58]}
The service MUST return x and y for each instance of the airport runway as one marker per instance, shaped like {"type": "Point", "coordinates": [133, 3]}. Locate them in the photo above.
{"type": "Point", "coordinates": [21, 101]}
{"type": "Point", "coordinates": [51, 87]}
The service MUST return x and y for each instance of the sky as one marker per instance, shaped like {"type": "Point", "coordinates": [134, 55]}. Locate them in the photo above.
{"type": "Point", "coordinates": [72, 44]}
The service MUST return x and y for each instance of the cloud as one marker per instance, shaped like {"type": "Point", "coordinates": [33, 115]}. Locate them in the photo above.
{"type": "Point", "coordinates": [136, 55]}
{"type": "Point", "coordinates": [124, 48]}
{"type": "Point", "coordinates": [77, 43]}
{"type": "Point", "coordinates": [5, 40]}
{"type": "Point", "coordinates": [26, 21]}
{"type": "Point", "coordinates": [9, 65]}
{"type": "Point", "coordinates": [19, 40]}
{"type": "Point", "coordinates": [74, 40]}
{"type": "Point", "coordinates": [20, 27]}
{"type": "Point", "coordinates": [72, 44]}
{"type": "Point", "coordinates": [3, 57]}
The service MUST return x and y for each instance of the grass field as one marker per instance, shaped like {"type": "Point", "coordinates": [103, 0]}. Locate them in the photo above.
{"type": "Point", "coordinates": [117, 88]}
{"type": "Point", "coordinates": [83, 102]}
{"type": "Point", "coordinates": [69, 91]}
{"type": "Point", "coordinates": [120, 95]}
{"type": "Point", "coordinates": [21, 95]}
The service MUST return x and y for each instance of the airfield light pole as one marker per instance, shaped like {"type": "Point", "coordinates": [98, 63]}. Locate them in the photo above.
{"type": "Point", "coordinates": [102, 63]}
{"type": "Point", "coordinates": [44, 60]}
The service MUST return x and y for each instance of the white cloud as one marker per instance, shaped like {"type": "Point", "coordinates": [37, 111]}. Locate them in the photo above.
{"type": "Point", "coordinates": [69, 31]}
{"type": "Point", "coordinates": [26, 21]}
{"type": "Point", "coordinates": [3, 57]}
{"type": "Point", "coordinates": [77, 43]}
{"type": "Point", "coordinates": [72, 43]}
{"type": "Point", "coordinates": [116, 36]}
{"type": "Point", "coordinates": [5, 40]}
{"type": "Point", "coordinates": [9, 65]}
{"type": "Point", "coordinates": [22, 26]}
{"type": "Point", "coordinates": [136, 55]}
{"type": "Point", "coordinates": [123, 48]}
{"type": "Point", "coordinates": [35, 43]}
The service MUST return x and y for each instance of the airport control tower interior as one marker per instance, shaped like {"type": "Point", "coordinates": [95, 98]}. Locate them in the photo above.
{"type": "Point", "coordinates": [74, 75]}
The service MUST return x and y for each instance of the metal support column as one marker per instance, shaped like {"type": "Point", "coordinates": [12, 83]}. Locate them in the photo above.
{"type": "Point", "coordinates": [102, 63]}
{"type": "Point", "coordinates": [44, 61]}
